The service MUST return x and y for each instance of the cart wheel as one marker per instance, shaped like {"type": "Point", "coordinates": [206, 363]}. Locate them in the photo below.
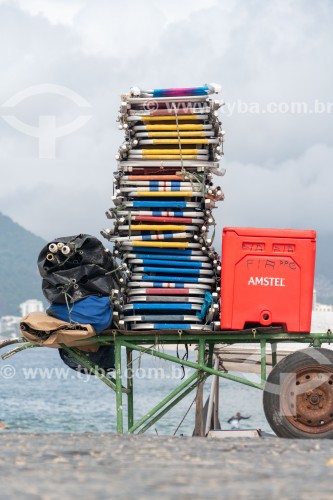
{"type": "Point", "coordinates": [298, 395]}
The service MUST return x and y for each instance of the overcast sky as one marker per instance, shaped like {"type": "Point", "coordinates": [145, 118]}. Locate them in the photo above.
{"type": "Point", "coordinates": [267, 55]}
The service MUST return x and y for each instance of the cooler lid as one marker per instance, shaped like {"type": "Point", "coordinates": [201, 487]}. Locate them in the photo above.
{"type": "Point", "coordinates": [272, 232]}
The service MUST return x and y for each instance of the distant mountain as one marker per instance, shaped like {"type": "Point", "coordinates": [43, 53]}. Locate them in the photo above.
{"type": "Point", "coordinates": [19, 277]}
{"type": "Point", "coordinates": [20, 280]}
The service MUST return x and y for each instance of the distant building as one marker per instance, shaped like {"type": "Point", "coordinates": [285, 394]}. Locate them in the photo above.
{"type": "Point", "coordinates": [30, 306]}
{"type": "Point", "coordinates": [321, 321]}
{"type": "Point", "coordinates": [9, 326]}
{"type": "Point", "coordinates": [323, 308]}
{"type": "Point", "coordinates": [322, 316]}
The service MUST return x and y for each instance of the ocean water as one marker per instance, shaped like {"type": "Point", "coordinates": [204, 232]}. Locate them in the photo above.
{"type": "Point", "coordinates": [39, 393]}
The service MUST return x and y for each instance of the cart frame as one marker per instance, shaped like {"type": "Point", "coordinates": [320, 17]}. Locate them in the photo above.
{"type": "Point", "coordinates": [203, 367]}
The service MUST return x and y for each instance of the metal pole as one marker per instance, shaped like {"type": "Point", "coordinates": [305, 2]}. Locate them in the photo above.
{"type": "Point", "coordinates": [130, 405]}
{"type": "Point", "coordinates": [199, 409]}
{"type": "Point", "coordinates": [197, 366]}
{"type": "Point", "coordinates": [198, 426]}
{"type": "Point", "coordinates": [169, 407]}
{"type": "Point", "coordinates": [217, 404]}
{"type": "Point", "coordinates": [210, 354]}
{"type": "Point", "coordinates": [201, 351]}
{"type": "Point", "coordinates": [119, 395]}
{"type": "Point", "coordinates": [274, 352]}
{"type": "Point", "coordinates": [164, 401]}
{"type": "Point", "coordinates": [18, 349]}
{"type": "Point", "coordinates": [263, 360]}
{"type": "Point", "coordinates": [211, 397]}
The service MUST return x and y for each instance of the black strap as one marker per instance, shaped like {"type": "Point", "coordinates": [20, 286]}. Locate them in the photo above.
{"type": "Point", "coordinates": [184, 358]}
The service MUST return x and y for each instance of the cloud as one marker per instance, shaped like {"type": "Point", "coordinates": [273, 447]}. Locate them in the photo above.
{"type": "Point", "coordinates": [294, 194]}
{"type": "Point", "coordinates": [52, 211]}
{"type": "Point", "coordinates": [278, 163]}
{"type": "Point", "coordinates": [55, 11]}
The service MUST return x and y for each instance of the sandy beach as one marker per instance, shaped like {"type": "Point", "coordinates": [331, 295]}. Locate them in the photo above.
{"type": "Point", "coordinates": [88, 466]}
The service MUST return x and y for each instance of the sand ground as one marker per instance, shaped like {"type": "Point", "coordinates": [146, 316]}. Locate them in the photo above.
{"type": "Point", "coordinates": [89, 466]}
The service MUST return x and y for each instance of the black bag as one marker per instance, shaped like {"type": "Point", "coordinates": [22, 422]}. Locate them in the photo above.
{"type": "Point", "coordinates": [85, 269]}
{"type": "Point", "coordinates": [104, 358]}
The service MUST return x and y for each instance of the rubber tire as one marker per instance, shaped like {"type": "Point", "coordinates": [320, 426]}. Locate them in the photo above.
{"type": "Point", "coordinates": [279, 424]}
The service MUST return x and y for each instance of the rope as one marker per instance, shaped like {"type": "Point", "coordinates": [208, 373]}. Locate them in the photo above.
{"type": "Point", "coordinates": [179, 141]}
{"type": "Point", "coordinates": [140, 355]}
{"type": "Point", "coordinates": [69, 309]}
{"type": "Point", "coordinates": [187, 412]}
{"type": "Point", "coordinates": [184, 172]}
{"type": "Point", "coordinates": [184, 358]}
{"type": "Point", "coordinates": [120, 267]}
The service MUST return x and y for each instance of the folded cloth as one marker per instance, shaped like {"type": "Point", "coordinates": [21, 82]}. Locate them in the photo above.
{"type": "Point", "coordinates": [44, 330]}
{"type": "Point", "coordinates": [96, 311]}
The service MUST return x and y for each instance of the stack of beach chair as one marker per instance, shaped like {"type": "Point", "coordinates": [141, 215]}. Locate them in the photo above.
{"type": "Point", "coordinates": [163, 201]}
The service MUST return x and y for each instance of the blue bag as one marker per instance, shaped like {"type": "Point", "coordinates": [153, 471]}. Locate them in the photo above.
{"type": "Point", "coordinates": [92, 310]}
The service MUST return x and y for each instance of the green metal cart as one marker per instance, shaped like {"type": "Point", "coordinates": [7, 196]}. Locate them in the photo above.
{"type": "Point", "coordinates": [297, 394]}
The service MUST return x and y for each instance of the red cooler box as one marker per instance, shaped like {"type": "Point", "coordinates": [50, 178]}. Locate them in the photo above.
{"type": "Point", "coordinates": [267, 278]}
